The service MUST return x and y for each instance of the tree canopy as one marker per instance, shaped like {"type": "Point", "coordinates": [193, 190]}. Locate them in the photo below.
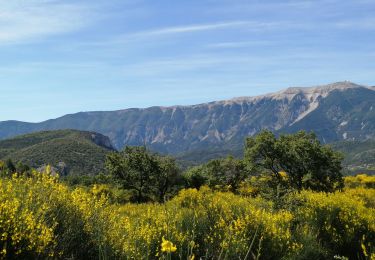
{"type": "Point", "coordinates": [306, 163]}
{"type": "Point", "coordinates": [148, 174]}
{"type": "Point", "coordinates": [224, 173]}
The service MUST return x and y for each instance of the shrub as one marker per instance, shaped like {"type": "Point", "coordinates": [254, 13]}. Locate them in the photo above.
{"type": "Point", "coordinates": [360, 180]}
{"type": "Point", "coordinates": [42, 218]}
{"type": "Point", "coordinates": [343, 223]}
{"type": "Point", "coordinates": [204, 223]}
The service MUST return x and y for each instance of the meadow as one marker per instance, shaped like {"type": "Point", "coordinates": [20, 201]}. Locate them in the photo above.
{"type": "Point", "coordinates": [41, 218]}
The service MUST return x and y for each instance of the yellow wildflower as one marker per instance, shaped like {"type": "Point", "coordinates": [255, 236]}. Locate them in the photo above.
{"type": "Point", "coordinates": [168, 246]}
{"type": "Point", "coordinates": [283, 175]}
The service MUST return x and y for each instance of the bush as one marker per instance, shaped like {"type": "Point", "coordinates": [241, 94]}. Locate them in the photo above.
{"type": "Point", "coordinates": [344, 224]}
{"type": "Point", "coordinates": [42, 218]}
{"type": "Point", "coordinates": [203, 223]}
{"type": "Point", "coordinates": [360, 180]}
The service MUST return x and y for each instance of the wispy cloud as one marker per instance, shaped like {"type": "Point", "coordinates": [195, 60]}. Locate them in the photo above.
{"type": "Point", "coordinates": [172, 31]}
{"type": "Point", "coordinates": [238, 44]}
{"type": "Point", "coordinates": [192, 28]}
{"type": "Point", "coordinates": [23, 21]}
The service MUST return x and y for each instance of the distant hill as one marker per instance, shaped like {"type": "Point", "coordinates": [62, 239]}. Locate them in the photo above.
{"type": "Point", "coordinates": [70, 151]}
{"type": "Point", "coordinates": [80, 152]}
{"type": "Point", "coordinates": [359, 155]}
{"type": "Point", "coordinates": [336, 112]}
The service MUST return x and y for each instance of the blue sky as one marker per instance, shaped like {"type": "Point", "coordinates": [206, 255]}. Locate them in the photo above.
{"type": "Point", "coordinates": [59, 57]}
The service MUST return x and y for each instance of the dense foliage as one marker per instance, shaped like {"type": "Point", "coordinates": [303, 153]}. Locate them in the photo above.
{"type": "Point", "coordinates": [41, 217]}
{"type": "Point", "coordinates": [224, 174]}
{"type": "Point", "coordinates": [149, 175]}
{"type": "Point", "coordinates": [307, 163]}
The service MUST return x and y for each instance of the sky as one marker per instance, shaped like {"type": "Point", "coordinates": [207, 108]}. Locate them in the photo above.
{"type": "Point", "coordinates": [61, 57]}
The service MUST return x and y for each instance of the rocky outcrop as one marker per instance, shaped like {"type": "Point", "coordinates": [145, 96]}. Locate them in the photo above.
{"type": "Point", "coordinates": [102, 140]}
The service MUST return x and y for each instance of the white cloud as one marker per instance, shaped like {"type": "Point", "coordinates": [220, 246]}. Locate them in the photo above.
{"type": "Point", "coordinates": [194, 28]}
{"type": "Point", "coordinates": [239, 44]}
{"type": "Point", "coordinates": [24, 21]}
{"type": "Point", "coordinates": [172, 31]}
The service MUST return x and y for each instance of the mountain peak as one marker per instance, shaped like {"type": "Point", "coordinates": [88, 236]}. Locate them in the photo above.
{"type": "Point", "coordinates": [289, 93]}
{"type": "Point", "coordinates": [342, 85]}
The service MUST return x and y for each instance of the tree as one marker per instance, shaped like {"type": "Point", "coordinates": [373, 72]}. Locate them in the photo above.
{"type": "Point", "coordinates": [228, 172]}
{"type": "Point", "coordinates": [167, 177]}
{"type": "Point", "coordinates": [23, 169]}
{"type": "Point", "coordinates": [225, 173]}
{"type": "Point", "coordinates": [7, 168]}
{"type": "Point", "coordinates": [194, 177]}
{"type": "Point", "coordinates": [133, 168]}
{"type": "Point", "coordinates": [306, 163]}
{"type": "Point", "coordinates": [150, 175]}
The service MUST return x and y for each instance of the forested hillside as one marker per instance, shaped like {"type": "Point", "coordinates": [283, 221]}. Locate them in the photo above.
{"type": "Point", "coordinates": [359, 155]}
{"type": "Point", "coordinates": [70, 151]}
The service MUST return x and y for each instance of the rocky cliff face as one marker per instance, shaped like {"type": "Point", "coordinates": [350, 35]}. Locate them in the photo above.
{"type": "Point", "coordinates": [337, 111]}
{"type": "Point", "coordinates": [101, 140]}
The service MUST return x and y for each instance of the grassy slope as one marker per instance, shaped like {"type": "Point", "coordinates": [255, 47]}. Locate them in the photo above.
{"type": "Point", "coordinates": [76, 149]}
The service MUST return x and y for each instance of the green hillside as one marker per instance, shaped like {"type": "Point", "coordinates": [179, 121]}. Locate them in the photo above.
{"type": "Point", "coordinates": [359, 155]}
{"type": "Point", "coordinates": [80, 152]}
{"type": "Point", "coordinates": [73, 152]}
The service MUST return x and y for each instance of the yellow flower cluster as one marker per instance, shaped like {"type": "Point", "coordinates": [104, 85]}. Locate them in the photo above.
{"type": "Point", "coordinates": [41, 217]}
{"type": "Point", "coordinates": [360, 180]}
{"type": "Point", "coordinates": [345, 219]}
{"type": "Point", "coordinates": [168, 246]}
{"type": "Point", "coordinates": [23, 218]}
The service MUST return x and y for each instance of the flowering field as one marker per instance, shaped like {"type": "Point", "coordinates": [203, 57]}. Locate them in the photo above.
{"type": "Point", "coordinates": [43, 218]}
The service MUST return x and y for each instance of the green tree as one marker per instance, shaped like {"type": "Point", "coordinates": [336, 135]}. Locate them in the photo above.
{"type": "Point", "coordinates": [167, 178]}
{"type": "Point", "coordinates": [149, 175]}
{"type": "Point", "coordinates": [133, 168]}
{"type": "Point", "coordinates": [7, 168]}
{"type": "Point", "coordinates": [306, 163]}
{"type": "Point", "coordinates": [194, 177]}
{"type": "Point", "coordinates": [23, 168]}
{"type": "Point", "coordinates": [228, 172]}
{"type": "Point", "coordinates": [225, 173]}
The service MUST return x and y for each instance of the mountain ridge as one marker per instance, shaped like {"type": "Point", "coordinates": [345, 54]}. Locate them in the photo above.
{"type": "Point", "coordinates": [286, 91]}
{"type": "Point", "coordinates": [177, 129]}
